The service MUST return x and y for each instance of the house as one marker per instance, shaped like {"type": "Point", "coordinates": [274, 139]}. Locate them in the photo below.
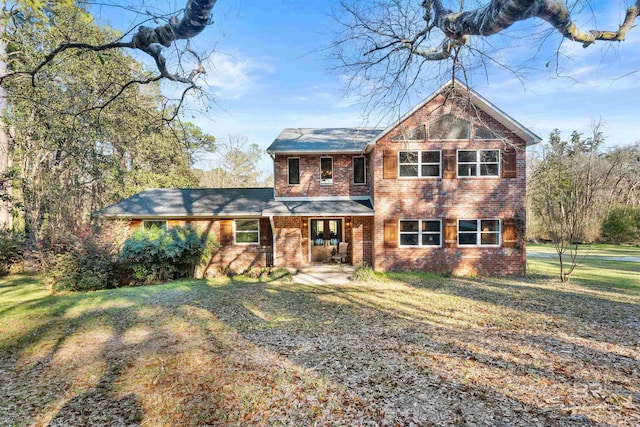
{"type": "Point", "coordinates": [441, 189]}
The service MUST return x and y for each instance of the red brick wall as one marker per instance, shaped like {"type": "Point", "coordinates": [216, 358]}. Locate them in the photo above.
{"type": "Point", "coordinates": [289, 248]}
{"type": "Point", "coordinates": [458, 198]}
{"type": "Point", "coordinates": [361, 243]}
{"type": "Point", "coordinates": [310, 178]}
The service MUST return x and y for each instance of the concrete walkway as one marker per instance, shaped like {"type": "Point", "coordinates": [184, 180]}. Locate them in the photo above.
{"type": "Point", "coordinates": [323, 274]}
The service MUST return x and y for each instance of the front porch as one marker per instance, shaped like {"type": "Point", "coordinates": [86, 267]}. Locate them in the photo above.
{"type": "Point", "coordinates": [312, 240]}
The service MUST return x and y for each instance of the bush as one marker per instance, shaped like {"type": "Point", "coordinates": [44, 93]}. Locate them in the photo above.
{"type": "Point", "coordinates": [85, 260]}
{"type": "Point", "coordinates": [622, 225]}
{"type": "Point", "coordinates": [157, 254]}
{"type": "Point", "coordinates": [11, 250]}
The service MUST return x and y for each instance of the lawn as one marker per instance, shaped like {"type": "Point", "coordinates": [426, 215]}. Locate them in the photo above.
{"type": "Point", "coordinates": [402, 349]}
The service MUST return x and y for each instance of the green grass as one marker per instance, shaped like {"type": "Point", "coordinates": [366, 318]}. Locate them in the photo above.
{"type": "Point", "coordinates": [591, 249]}
{"type": "Point", "coordinates": [396, 348]}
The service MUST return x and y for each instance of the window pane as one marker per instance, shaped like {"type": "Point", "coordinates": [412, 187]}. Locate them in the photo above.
{"type": "Point", "coordinates": [430, 157]}
{"type": "Point", "coordinates": [466, 170]}
{"type": "Point", "coordinates": [489, 170]}
{"type": "Point", "coordinates": [412, 135]}
{"type": "Point", "coordinates": [489, 156]}
{"type": "Point", "coordinates": [449, 127]}
{"type": "Point", "coordinates": [247, 237]}
{"type": "Point", "coordinates": [467, 225]}
{"type": "Point", "coordinates": [326, 170]}
{"type": "Point", "coordinates": [294, 171]}
{"type": "Point", "coordinates": [431, 239]}
{"type": "Point", "coordinates": [408, 156]}
{"type": "Point", "coordinates": [409, 226]}
{"type": "Point", "coordinates": [467, 156]}
{"type": "Point", "coordinates": [490, 225]}
{"type": "Point", "coordinates": [489, 238]}
{"type": "Point", "coordinates": [485, 133]}
{"type": "Point", "coordinates": [408, 170]}
{"type": "Point", "coordinates": [433, 226]}
{"type": "Point", "coordinates": [409, 239]}
{"type": "Point", "coordinates": [467, 238]}
{"type": "Point", "coordinates": [358, 170]}
{"type": "Point", "coordinates": [247, 224]}
{"type": "Point", "coordinates": [431, 170]}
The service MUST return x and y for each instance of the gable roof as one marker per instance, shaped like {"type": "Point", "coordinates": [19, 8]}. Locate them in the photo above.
{"type": "Point", "coordinates": [191, 202]}
{"type": "Point", "coordinates": [480, 102]}
{"type": "Point", "coordinates": [321, 141]}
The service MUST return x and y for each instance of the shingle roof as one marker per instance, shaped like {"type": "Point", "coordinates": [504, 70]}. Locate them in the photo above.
{"type": "Point", "coordinates": [320, 207]}
{"type": "Point", "coordinates": [318, 141]}
{"type": "Point", "coordinates": [191, 202]}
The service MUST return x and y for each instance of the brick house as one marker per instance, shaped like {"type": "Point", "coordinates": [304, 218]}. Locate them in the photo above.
{"type": "Point", "coordinates": [441, 189]}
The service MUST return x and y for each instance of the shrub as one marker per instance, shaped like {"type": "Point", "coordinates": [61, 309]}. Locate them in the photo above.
{"type": "Point", "coordinates": [158, 254]}
{"type": "Point", "coordinates": [82, 261]}
{"type": "Point", "coordinates": [622, 225]}
{"type": "Point", "coordinates": [11, 250]}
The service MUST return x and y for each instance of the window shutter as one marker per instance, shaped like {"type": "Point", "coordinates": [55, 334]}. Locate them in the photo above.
{"type": "Point", "coordinates": [510, 233]}
{"type": "Point", "coordinates": [449, 164]}
{"type": "Point", "coordinates": [509, 163]}
{"type": "Point", "coordinates": [450, 233]}
{"type": "Point", "coordinates": [226, 232]}
{"type": "Point", "coordinates": [390, 233]}
{"type": "Point", "coordinates": [390, 165]}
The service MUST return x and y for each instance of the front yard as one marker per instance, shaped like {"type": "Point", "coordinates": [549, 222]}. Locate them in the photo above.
{"type": "Point", "coordinates": [404, 348]}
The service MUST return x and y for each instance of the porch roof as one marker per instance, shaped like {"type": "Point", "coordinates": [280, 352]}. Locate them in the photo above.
{"type": "Point", "coordinates": [319, 208]}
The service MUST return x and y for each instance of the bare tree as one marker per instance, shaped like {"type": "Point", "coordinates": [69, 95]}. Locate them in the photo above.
{"type": "Point", "coordinates": [385, 47]}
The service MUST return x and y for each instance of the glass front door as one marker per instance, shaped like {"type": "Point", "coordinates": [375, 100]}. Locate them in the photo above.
{"type": "Point", "coordinates": [325, 235]}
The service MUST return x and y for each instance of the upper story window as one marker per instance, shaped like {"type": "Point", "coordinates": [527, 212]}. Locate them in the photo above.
{"type": "Point", "coordinates": [359, 170]}
{"type": "Point", "coordinates": [293, 165]}
{"type": "Point", "coordinates": [479, 232]}
{"type": "Point", "coordinates": [419, 163]}
{"type": "Point", "coordinates": [482, 132]}
{"type": "Point", "coordinates": [449, 127]}
{"type": "Point", "coordinates": [417, 134]}
{"type": "Point", "coordinates": [472, 163]}
{"type": "Point", "coordinates": [149, 224]}
{"type": "Point", "coordinates": [247, 230]}
{"type": "Point", "coordinates": [326, 170]}
{"type": "Point", "coordinates": [423, 232]}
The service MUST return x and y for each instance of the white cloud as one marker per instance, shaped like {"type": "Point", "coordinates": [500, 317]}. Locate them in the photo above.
{"type": "Point", "coordinates": [234, 76]}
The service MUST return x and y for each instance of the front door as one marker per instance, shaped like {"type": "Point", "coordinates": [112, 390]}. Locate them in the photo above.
{"type": "Point", "coordinates": [324, 237]}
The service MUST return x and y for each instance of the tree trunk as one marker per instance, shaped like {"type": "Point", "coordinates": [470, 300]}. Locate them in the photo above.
{"type": "Point", "coordinates": [5, 155]}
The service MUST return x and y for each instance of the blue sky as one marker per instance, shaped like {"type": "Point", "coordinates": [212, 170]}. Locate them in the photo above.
{"type": "Point", "coordinates": [265, 75]}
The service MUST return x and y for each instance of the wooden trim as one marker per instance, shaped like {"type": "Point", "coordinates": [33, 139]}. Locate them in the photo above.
{"type": "Point", "coordinates": [390, 164]}
{"type": "Point", "coordinates": [390, 233]}
{"type": "Point", "coordinates": [226, 232]}
{"type": "Point", "coordinates": [509, 163]}
{"type": "Point", "coordinates": [450, 233]}
{"type": "Point", "coordinates": [449, 164]}
{"type": "Point", "coordinates": [510, 233]}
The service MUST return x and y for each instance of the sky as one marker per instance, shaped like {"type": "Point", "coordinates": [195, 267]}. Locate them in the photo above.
{"type": "Point", "coordinates": [267, 72]}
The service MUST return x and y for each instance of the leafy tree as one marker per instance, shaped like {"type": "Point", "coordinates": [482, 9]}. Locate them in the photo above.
{"type": "Point", "coordinates": [85, 137]}
{"type": "Point", "coordinates": [563, 190]}
{"type": "Point", "coordinates": [622, 225]}
{"type": "Point", "coordinates": [236, 165]}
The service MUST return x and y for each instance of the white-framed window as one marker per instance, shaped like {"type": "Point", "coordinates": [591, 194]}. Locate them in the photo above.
{"type": "Point", "coordinates": [293, 170]}
{"type": "Point", "coordinates": [154, 223]}
{"type": "Point", "coordinates": [449, 127]}
{"type": "Point", "coordinates": [420, 232]}
{"type": "Point", "coordinates": [479, 232]}
{"type": "Point", "coordinates": [420, 164]}
{"type": "Point", "coordinates": [326, 170]}
{"type": "Point", "coordinates": [247, 231]}
{"type": "Point", "coordinates": [359, 170]}
{"type": "Point", "coordinates": [474, 163]}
